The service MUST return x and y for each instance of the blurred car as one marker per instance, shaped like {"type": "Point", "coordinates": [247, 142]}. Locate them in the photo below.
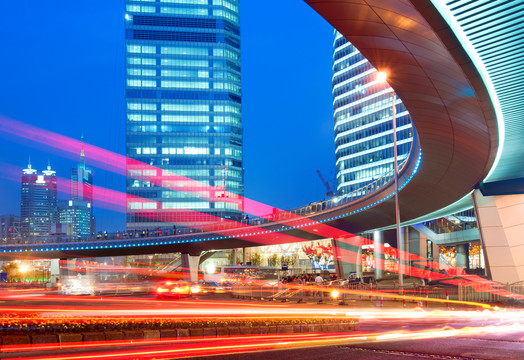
{"type": "Point", "coordinates": [217, 287]}
{"type": "Point", "coordinates": [76, 289]}
{"type": "Point", "coordinates": [199, 288]}
{"type": "Point", "coordinates": [175, 290]}
{"type": "Point", "coordinates": [337, 283]}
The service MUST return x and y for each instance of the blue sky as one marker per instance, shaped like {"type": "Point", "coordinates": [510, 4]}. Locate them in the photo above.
{"type": "Point", "coordinates": [62, 68]}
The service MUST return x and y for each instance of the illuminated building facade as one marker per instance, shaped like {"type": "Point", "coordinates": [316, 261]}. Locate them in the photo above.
{"type": "Point", "coordinates": [38, 202]}
{"type": "Point", "coordinates": [78, 214]}
{"type": "Point", "coordinates": [183, 111]}
{"type": "Point", "coordinates": [82, 191]}
{"type": "Point", "coordinates": [362, 108]}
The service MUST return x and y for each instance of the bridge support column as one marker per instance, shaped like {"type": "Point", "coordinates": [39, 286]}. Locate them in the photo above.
{"type": "Point", "coordinates": [348, 256]}
{"type": "Point", "coordinates": [190, 267]}
{"type": "Point", "coordinates": [55, 271]}
{"type": "Point", "coordinates": [462, 256]}
{"type": "Point", "coordinates": [378, 246]}
{"type": "Point", "coordinates": [501, 224]}
{"type": "Point", "coordinates": [234, 261]}
{"type": "Point", "coordinates": [66, 267]}
{"type": "Point", "coordinates": [403, 248]}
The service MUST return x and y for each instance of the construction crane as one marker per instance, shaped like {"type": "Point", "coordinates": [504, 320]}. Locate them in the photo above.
{"type": "Point", "coordinates": [329, 191]}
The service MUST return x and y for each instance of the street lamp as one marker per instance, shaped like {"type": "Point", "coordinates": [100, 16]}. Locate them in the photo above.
{"type": "Point", "coordinates": [382, 77]}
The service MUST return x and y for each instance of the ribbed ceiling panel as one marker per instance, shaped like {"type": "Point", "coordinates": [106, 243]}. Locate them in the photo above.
{"type": "Point", "coordinates": [496, 31]}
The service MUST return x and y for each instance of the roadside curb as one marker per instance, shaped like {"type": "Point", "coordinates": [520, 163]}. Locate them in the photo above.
{"type": "Point", "coordinates": [33, 342]}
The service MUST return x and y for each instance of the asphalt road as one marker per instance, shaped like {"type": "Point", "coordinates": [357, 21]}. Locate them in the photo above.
{"type": "Point", "coordinates": [492, 348]}
{"type": "Point", "coordinates": [440, 334]}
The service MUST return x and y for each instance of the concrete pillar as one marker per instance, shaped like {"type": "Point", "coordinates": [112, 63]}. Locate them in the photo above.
{"type": "Point", "coordinates": [348, 255]}
{"type": "Point", "coordinates": [462, 256]}
{"type": "Point", "coordinates": [501, 223]}
{"type": "Point", "coordinates": [190, 267]}
{"type": "Point", "coordinates": [244, 256]}
{"type": "Point", "coordinates": [359, 262]}
{"type": "Point", "coordinates": [234, 257]}
{"type": "Point", "coordinates": [64, 269]}
{"type": "Point", "coordinates": [404, 232]}
{"type": "Point", "coordinates": [436, 252]}
{"type": "Point", "coordinates": [54, 270]}
{"type": "Point", "coordinates": [378, 245]}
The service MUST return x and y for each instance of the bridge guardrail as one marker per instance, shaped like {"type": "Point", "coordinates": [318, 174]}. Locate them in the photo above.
{"type": "Point", "coordinates": [337, 200]}
{"type": "Point", "coordinates": [314, 208]}
{"type": "Point", "coordinates": [423, 296]}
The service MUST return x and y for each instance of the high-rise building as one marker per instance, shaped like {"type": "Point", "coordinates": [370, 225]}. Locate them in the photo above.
{"type": "Point", "coordinates": [38, 202]}
{"type": "Point", "coordinates": [183, 115]}
{"type": "Point", "coordinates": [362, 107]}
{"type": "Point", "coordinates": [77, 213]}
{"type": "Point", "coordinates": [82, 191]}
{"type": "Point", "coordinates": [9, 228]}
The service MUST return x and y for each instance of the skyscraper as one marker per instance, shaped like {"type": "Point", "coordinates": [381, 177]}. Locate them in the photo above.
{"type": "Point", "coordinates": [38, 202]}
{"type": "Point", "coordinates": [82, 191]}
{"type": "Point", "coordinates": [78, 214]}
{"type": "Point", "coordinates": [362, 110]}
{"type": "Point", "coordinates": [183, 114]}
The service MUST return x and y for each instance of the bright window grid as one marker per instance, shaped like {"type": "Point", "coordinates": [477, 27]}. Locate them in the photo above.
{"type": "Point", "coordinates": [386, 119]}
{"type": "Point", "coordinates": [368, 172]}
{"type": "Point", "coordinates": [373, 150]}
{"type": "Point", "coordinates": [181, 106]}
{"type": "Point", "coordinates": [350, 67]}
{"type": "Point", "coordinates": [344, 58]}
{"type": "Point", "coordinates": [352, 79]}
{"type": "Point", "coordinates": [166, 74]}
{"type": "Point", "coordinates": [361, 92]}
{"type": "Point", "coordinates": [374, 106]}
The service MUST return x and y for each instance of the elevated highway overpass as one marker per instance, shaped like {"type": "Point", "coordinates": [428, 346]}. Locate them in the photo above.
{"type": "Point", "coordinates": [467, 128]}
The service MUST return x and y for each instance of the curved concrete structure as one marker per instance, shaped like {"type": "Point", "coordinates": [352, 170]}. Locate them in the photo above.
{"type": "Point", "coordinates": [447, 99]}
{"type": "Point", "coordinates": [441, 88]}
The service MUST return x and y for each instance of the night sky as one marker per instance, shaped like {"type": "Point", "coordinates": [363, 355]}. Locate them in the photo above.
{"type": "Point", "coordinates": [62, 69]}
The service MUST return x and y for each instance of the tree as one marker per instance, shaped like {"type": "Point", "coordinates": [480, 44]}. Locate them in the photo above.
{"type": "Point", "coordinates": [289, 259]}
{"type": "Point", "coordinates": [13, 271]}
{"type": "Point", "coordinates": [256, 259]}
{"type": "Point", "coordinates": [231, 260]}
{"type": "Point", "coordinates": [272, 260]}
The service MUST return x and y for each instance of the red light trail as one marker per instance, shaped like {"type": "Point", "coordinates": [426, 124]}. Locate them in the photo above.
{"type": "Point", "coordinates": [170, 348]}
{"type": "Point", "coordinates": [123, 165]}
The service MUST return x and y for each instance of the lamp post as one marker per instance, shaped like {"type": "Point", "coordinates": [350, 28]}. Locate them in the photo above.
{"type": "Point", "coordinates": [382, 76]}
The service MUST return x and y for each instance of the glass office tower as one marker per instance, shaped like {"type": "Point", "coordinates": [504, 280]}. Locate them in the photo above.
{"type": "Point", "coordinates": [38, 202]}
{"type": "Point", "coordinates": [82, 191]}
{"type": "Point", "coordinates": [79, 214]}
{"type": "Point", "coordinates": [362, 108]}
{"type": "Point", "coordinates": [183, 113]}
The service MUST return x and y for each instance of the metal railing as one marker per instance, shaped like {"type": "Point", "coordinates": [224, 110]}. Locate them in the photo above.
{"type": "Point", "coordinates": [277, 216]}
{"type": "Point", "coordinates": [457, 222]}
{"type": "Point", "coordinates": [422, 296]}
{"type": "Point", "coordinates": [492, 292]}
{"type": "Point", "coordinates": [333, 202]}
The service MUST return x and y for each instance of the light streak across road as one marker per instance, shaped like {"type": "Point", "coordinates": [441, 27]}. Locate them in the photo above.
{"type": "Point", "coordinates": [120, 164]}
{"type": "Point", "coordinates": [172, 349]}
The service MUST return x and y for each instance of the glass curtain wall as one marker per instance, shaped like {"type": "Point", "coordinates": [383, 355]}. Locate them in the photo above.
{"type": "Point", "coordinates": [362, 108]}
{"type": "Point", "coordinates": [183, 113]}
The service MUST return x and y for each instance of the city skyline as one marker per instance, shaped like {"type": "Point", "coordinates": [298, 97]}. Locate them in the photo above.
{"type": "Point", "coordinates": [267, 179]}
